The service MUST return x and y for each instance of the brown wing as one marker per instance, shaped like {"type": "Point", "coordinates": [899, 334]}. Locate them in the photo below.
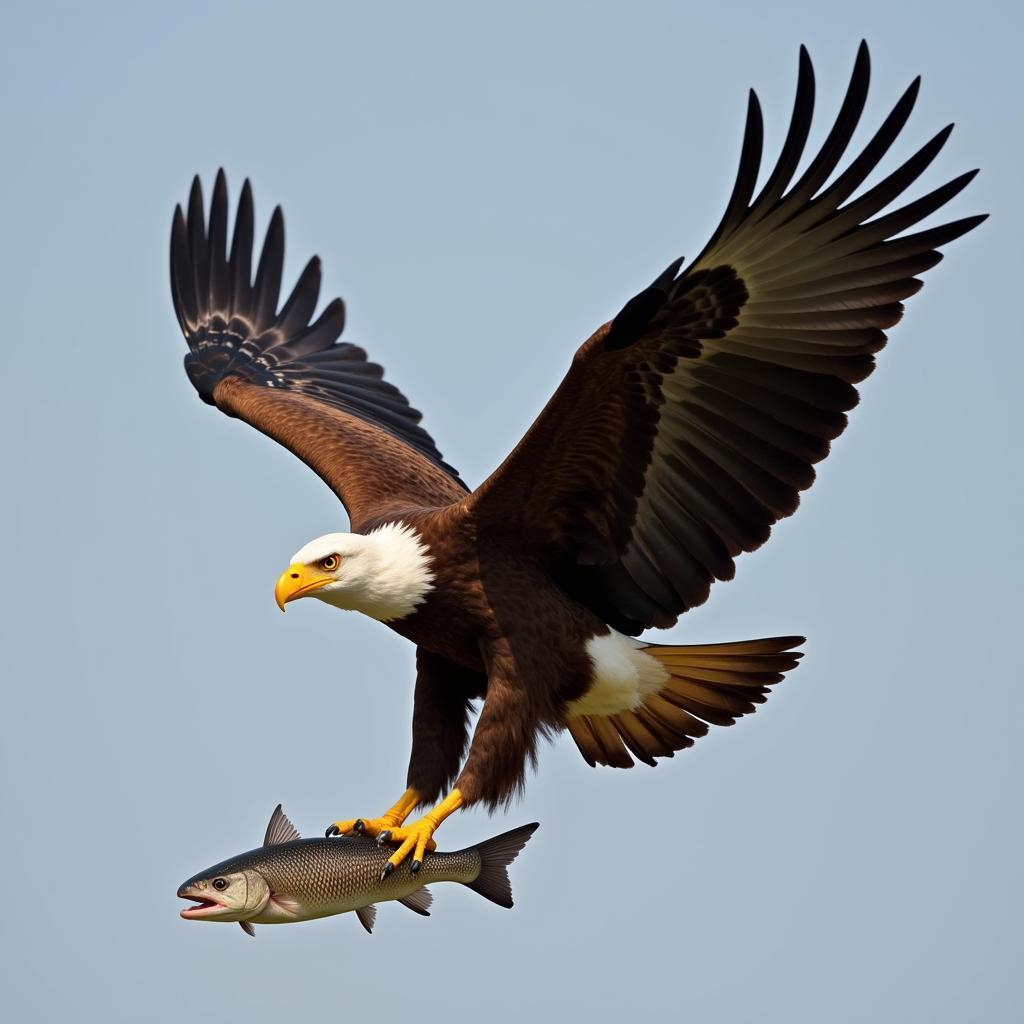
{"type": "Point", "coordinates": [290, 378]}
{"type": "Point", "coordinates": [688, 425]}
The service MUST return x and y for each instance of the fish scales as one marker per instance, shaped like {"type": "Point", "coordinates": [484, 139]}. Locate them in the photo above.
{"type": "Point", "coordinates": [340, 874]}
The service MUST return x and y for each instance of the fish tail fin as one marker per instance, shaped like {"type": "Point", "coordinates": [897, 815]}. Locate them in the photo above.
{"type": "Point", "coordinates": [495, 856]}
{"type": "Point", "coordinates": [704, 685]}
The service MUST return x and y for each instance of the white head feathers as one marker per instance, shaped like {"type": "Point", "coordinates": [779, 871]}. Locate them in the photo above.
{"type": "Point", "coordinates": [385, 574]}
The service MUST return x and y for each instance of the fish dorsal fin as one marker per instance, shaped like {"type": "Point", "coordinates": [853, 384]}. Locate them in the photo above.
{"type": "Point", "coordinates": [247, 928]}
{"type": "Point", "coordinates": [419, 901]}
{"type": "Point", "coordinates": [280, 829]}
{"type": "Point", "coordinates": [367, 916]}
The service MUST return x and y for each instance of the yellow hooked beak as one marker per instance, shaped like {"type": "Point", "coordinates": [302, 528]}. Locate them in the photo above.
{"type": "Point", "coordinates": [298, 581]}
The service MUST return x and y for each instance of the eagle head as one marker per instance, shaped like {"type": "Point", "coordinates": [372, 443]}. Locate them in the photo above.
{"type": "Point", "coordinates": [385, 574]}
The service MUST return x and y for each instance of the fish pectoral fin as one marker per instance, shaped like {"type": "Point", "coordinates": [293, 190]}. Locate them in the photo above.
{"type": "Point", "coordinates": [247, 928]}
{"type": "Point", "coordinates": [418, 901]}
{"type": "Point", "coordinates": [286, 904]}
{"type": "Point", "coordinates": [367, 916]}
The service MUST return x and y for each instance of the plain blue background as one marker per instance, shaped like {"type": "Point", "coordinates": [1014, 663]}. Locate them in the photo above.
{"type": "Point", "coordinates": [486, 184]}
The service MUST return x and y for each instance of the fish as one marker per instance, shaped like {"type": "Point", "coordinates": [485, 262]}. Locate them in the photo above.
{"type": "Point", "coordinates": [290, 879]}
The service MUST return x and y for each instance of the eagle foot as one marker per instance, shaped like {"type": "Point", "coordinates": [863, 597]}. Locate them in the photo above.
{"type": "Point", "coordinates": [371, 827]}
{"type": "Point", "coordinates": [417, 838]}
{"type": "Point", "coordinates": [374, 827]}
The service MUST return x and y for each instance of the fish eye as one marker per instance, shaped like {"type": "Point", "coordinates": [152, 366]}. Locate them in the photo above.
{"type": "Point", "coordinates": [220, 883]}
{"type": "Point", "coordinates": [330, 563]}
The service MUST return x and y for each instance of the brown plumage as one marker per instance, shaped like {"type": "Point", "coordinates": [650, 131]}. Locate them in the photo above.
{"type": "Point", "coordinates": [685, 428]}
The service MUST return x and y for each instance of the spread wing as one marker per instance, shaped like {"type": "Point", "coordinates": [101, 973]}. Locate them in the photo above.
{"type": "Point", "coordinates": [688, 425]}
{"type": "Point", "coordinates": [289, 377]}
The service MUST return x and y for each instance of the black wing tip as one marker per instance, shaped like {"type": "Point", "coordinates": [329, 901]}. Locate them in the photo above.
{"type": "Point", "coordinates": [337, 303]}
{"type": "Point", "coordinates": [966, 224]}
{"type": "Point", "coordinates": [214, 306]}
{"type": "Point", "coordinates": [961, 181]}
{"type": "Point", "coordinates": [753, 134]}
{"type": "Point", "coordinates": [219, 197]}
{"type": "Point", "coordinates": [805, 67]}
{"type": "Point", "coordinates": [912, 92]}
{"type": "Point", "coordinates": [943, 234]}
{"type": "Point", "coordinates": [193, 218]}
{"type": "Point", "coordinates": [195, 200]}
{"type": "Point", "coordinates": [807, 192]}
{"type": "Point", "coordinates": [236, 326]}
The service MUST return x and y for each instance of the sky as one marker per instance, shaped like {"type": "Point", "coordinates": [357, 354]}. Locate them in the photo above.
{"type": "Point", "coordinates": [486, 184]}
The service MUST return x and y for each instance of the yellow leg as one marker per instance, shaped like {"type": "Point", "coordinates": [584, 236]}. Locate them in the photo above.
{"type": "Point", "coordinates": [391, 818]}
{"type": "Point", "coordinates": [417, 837]}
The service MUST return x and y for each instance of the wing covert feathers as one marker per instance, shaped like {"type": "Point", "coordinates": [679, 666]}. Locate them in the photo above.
{"type": "Point", "coordinates": [238, 330]}
{"type": "Point", "coordinates": [689, 425]}
{"type": "Point", "coordinates": [708, 684]}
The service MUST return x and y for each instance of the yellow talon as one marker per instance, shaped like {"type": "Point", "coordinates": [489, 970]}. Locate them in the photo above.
{"type": "Point", "coordinates": [390, 819]}
{"type": "Point", "coordinates": [417, 837]}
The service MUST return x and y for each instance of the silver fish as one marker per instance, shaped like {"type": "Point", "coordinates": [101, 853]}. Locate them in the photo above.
{"type": "Point", "coordinates": [291, 879]}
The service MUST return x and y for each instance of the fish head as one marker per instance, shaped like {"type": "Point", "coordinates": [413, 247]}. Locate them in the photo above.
{"type": "Point", "coordinates": [222, 894]}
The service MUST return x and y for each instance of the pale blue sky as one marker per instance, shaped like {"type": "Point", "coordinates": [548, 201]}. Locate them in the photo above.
{"type": "Point", "coordinates": [485, 185]}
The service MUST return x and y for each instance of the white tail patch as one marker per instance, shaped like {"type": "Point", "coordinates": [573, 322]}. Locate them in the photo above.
{"type": "Point", "coordinates": [623, 676]}
{"type": "Point", "coordinates": [704, 685]}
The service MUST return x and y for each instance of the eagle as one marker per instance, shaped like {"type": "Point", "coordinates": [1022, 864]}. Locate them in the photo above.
{"type": "Point", "coordinates": [684, 429]}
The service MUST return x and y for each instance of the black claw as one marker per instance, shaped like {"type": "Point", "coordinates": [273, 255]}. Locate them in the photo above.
{"type": "Point", "coordinates": [388, 868]}
{"type": "Point", "coordinates": [415, 866]}
{"type": "Point", "coordinates": [359, 826]}
{"type": "Point", "coordinates": [383, 837]}
{"type": "Point", "coordinates": [332, 830]}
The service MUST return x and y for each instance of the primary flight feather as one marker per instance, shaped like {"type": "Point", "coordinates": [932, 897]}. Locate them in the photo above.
{"type": "Point", "coordinates": [684, 430]}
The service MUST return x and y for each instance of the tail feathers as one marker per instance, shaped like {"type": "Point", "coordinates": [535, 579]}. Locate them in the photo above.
{"type": "Point", "coordinates": [495, 856]}
{"type": "Point", "coordinates": [707, 684]}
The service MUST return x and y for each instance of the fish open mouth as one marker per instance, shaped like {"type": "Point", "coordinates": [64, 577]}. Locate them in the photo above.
{"type": "Point", "coordinates": [204, 907]}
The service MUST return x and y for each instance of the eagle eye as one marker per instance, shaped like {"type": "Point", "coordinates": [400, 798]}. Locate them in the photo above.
{"type": "Point", "coordinates": [330, 563]}
{"type": "Point", "coordinates": [220, 883]}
